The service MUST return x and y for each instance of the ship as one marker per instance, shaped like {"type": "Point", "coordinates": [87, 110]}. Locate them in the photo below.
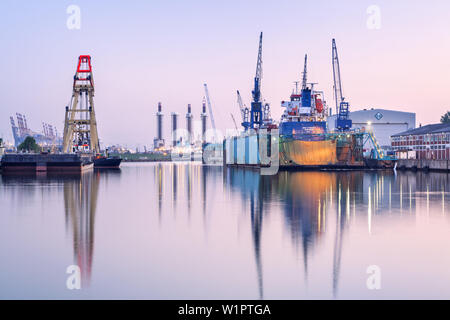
{"type": "Point", "coordinates": [304, 137]}
{"type": "Point", "coordinates": [107, 162]}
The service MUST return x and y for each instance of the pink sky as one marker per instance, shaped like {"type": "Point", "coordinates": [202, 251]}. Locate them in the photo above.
{"type": "Point", "coordinates": [145, 52]}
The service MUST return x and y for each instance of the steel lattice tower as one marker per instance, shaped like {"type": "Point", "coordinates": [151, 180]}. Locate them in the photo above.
{"type": "Point", "coordinates": [80, 126]}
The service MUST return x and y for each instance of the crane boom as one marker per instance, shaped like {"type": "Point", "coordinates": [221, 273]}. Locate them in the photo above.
{"type": "Point", "coordinates": [304, 73]}
{"type": "Point", "coordinates": [257, 90]}
{"type": "Point", "coordinates": [239, 100]}
{"type": "Point", "coordinates": [244, 111]}
{"type": "Point", "coordinates": [234, 120]}
{"type": "Point", "coordinates": [213, 124]}
{"type": "Point", "coordinates": [256, 110]}
{"type": "Point", "coordinates": [336, 77]}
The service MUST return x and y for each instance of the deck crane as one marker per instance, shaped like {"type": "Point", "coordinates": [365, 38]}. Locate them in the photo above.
{"type": "Point", "coordinates": [343, 121]}
{"type": "Point", "coordinates": [213, 124]}
{"type": "Point", "coordinates": [244, 111]}
{"type": "Point", "coordinates": [256, 112]}
{"type": "Point", "coordinates": [304, 73]}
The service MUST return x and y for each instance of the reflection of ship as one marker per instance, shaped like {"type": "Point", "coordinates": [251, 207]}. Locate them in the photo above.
{"type": "Point", "coordinates": [306, 209]}
{"type": "Point", "coordinates": [304, 140]}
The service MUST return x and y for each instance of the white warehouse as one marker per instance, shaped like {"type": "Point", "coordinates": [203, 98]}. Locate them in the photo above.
{"type": "Point", "coordinates": [383, 123]}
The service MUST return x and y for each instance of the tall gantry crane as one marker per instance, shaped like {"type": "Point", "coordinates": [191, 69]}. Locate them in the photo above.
{"type": "Point", "coordinates": [256, 112]}
{"type": "Point", "coordinates": [80, 126]}
{"type": "Point", "coordinates": [343, 122]}
{"type": "Point", "coordinates": [244, 111]}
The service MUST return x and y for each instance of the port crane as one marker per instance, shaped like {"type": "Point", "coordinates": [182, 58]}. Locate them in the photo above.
{"type": "Point", "coordinates": [244, 111]}
{"type": "Point", "coordinates": [343, 121]}
{"type": "Point", "coordinates": [256, 112]}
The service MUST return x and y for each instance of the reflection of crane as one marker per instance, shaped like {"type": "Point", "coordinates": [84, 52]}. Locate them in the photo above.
{"type": "Point", "coordinates": [80, 203]}
{"type": "Point", "coordinates": [343, 123]}
{"type": "Point", "coordinates": [213, 124]}
{"type": "Point", "coordinates": [244, 111]}
{"type": "Point", "coordinates": [256, 116]}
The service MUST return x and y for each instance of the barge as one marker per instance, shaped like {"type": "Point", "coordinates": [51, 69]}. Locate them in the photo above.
{"type": "Point", "coordinates": [29, 163]}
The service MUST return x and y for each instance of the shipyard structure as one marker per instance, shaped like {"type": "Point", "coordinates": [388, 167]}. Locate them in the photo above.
{"type": "Point", "coordinates": [302, 137]}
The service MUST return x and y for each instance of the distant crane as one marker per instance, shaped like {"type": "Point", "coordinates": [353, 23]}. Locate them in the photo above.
{"type": "Point", "coordinates": [213, 124]}
{"type": "Point", "coordinates": [234, 121]}
{"type": "Point", "coordinates": [244, 111]}
{"type": "Point", "coordinates": [343, 122]}
{"type": "Point", "coordinates": [256, 116]}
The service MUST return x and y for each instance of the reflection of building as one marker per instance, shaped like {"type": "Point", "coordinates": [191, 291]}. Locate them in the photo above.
{"type": "Point", "coordinates": [427, 142]}
{"type": "Point", "coordinates": [80, 202]}
{"type": "Point", "coordinates": [383, 123]}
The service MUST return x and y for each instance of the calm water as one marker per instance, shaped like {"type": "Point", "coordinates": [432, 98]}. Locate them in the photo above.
{"type": "Point", "coordinates": [186, 231]}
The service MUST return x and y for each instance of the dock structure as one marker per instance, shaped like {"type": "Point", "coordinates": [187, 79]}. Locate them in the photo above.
{"type": "Point", "coordinates": [267, 148]}
{"type": "Point", "coordinates": [54, 163]}
{"type": "Point", "coordinates": [424, 165]}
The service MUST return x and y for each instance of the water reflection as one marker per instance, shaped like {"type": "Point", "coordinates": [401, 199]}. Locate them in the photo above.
{"type": "Point", "coordinates": [202, 230]}
{"type": "Point", "coordinates": [310, 200]}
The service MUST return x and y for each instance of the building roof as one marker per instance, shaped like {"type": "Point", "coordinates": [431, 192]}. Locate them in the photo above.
{"type": "Point", "coordinates": [431, 128]}
{"type": "Point", "coordinates": [365, 110]}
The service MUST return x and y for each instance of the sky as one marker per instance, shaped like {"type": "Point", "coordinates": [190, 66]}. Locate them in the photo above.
{"type": "Point", "coordinates": [145, 52]}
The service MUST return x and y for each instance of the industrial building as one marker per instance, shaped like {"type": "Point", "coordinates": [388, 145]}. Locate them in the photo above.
{"type": "Point", "coordinates": [158, 142]}
{"type": "Point", "coordinates": [383, 123]}
{"type": "Point", "coordinates": [430, 142]}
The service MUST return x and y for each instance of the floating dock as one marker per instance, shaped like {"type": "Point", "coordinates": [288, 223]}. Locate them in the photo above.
{"type": "Point", "coordinates": [338, 152]}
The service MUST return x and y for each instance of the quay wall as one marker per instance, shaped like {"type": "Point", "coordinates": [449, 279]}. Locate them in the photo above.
{"type": "Point", "coordinates": [424, 164]}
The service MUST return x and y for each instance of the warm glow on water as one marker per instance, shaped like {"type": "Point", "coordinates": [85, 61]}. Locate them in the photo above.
{"type": "Point", "coordinates": [185, 231]}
